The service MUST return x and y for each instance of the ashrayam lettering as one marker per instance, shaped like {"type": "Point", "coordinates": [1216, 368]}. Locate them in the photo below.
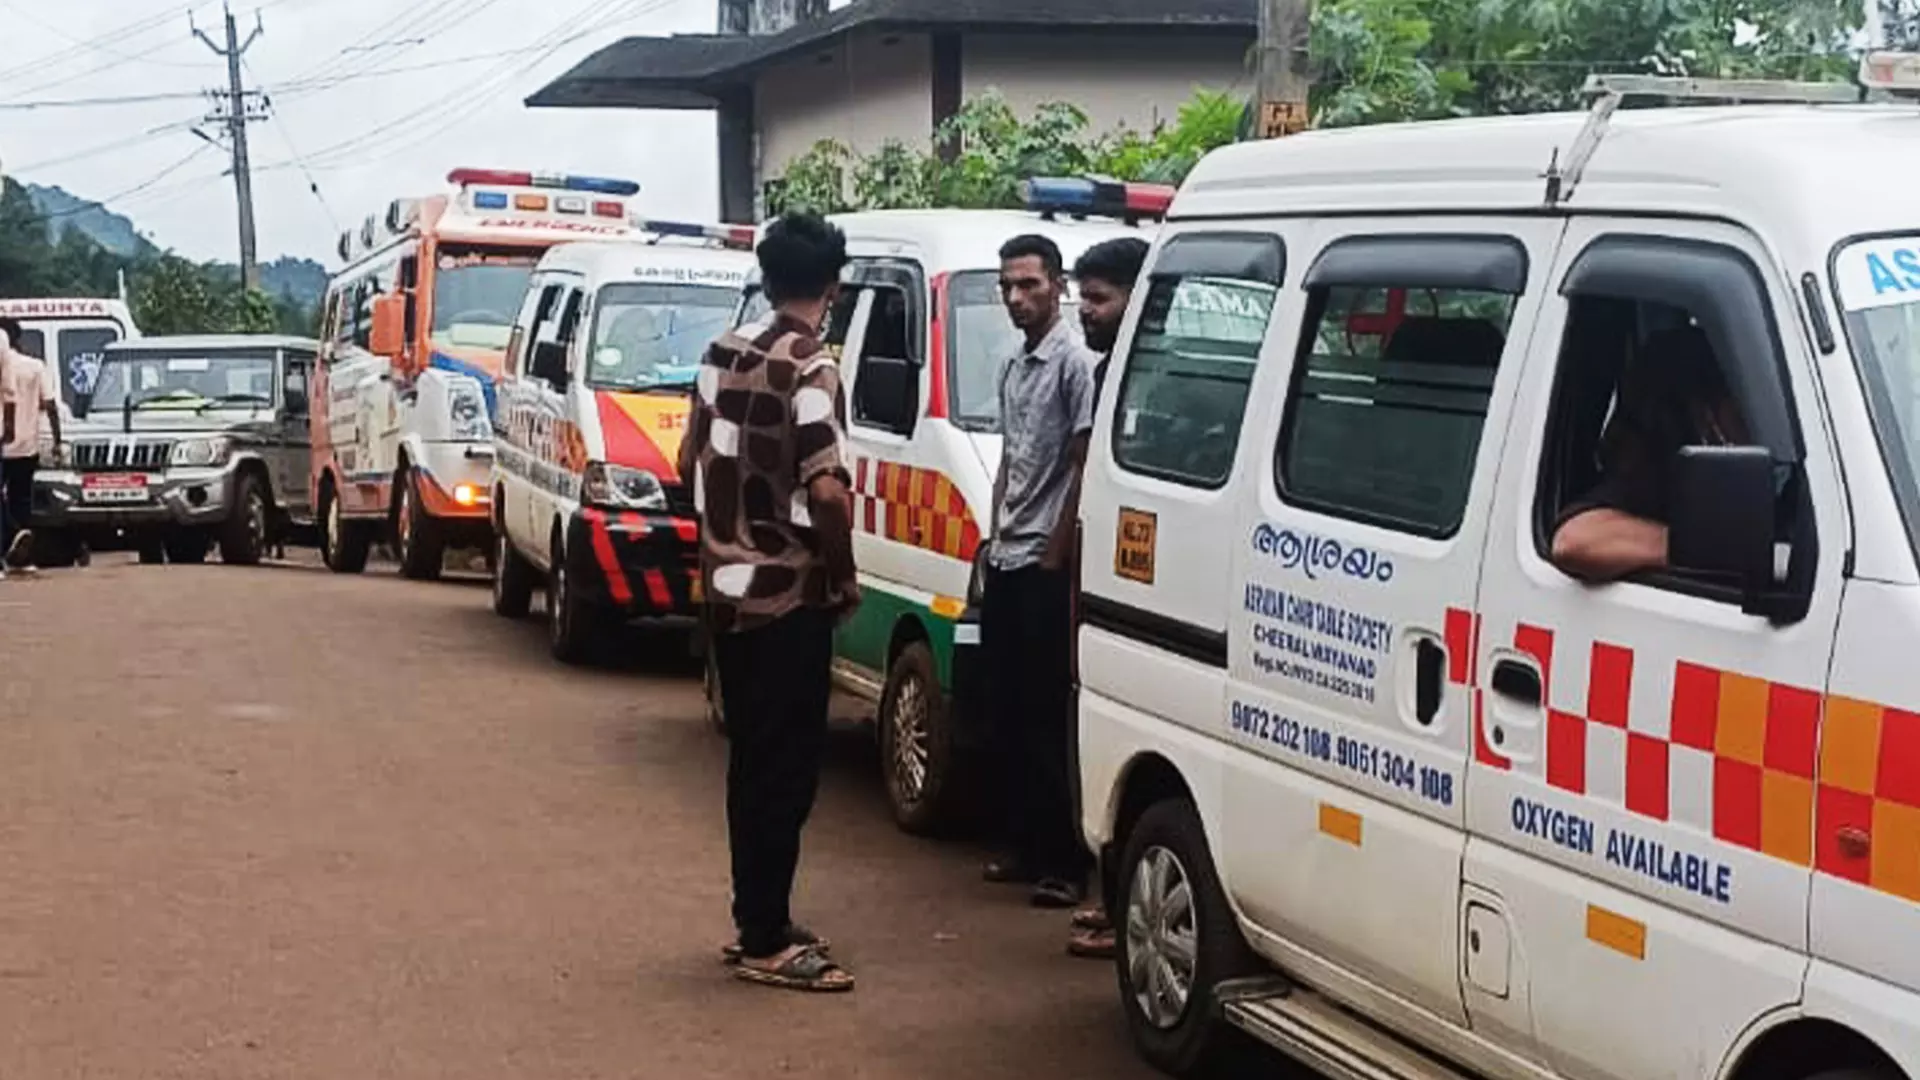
{"type": "Point", "coordinates": [1316, 555]}
{"type": "Point", "coordinates": [1629, 851]}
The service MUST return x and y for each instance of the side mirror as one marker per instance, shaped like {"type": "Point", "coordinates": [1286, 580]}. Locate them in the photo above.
{"type": "Point", "coordinates": [550, 363]}
{"type": "Point", "coordinates": [389, 333]}
{"type": "Point", "coordinates": [1724, 515]}
{"type": "Point", "coordinates": [886, 393]}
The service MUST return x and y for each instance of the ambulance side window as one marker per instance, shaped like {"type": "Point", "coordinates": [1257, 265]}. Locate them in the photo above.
{"type": "Point", "coordinates": [1669, 343]}
{"type": "Point", "coordinates": [1183, 395]}
{"type": "Point", "coordinates": [1402, 340]}
{"type": "Point", "coordinates": [539, 299]}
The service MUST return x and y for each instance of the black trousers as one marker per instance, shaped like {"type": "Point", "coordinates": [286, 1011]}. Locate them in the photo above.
{"type": "Point", "coordinates": [16, 485]}
{"type": "Point", "coordinates": [1026, 628]}
{"type": "Point", "coordinates": [775, 685]}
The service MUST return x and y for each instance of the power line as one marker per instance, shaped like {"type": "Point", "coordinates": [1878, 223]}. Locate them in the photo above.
{"type": "Point", "coordinates": [101, 204]}
{"type": "Point", "coordinates": [313, 185]}
{"type": "Point", "coordinates": [92, 46]}
{"type": "Point", "coordinates": [237, 115]}
{"type": "Point", "coordinates": [106, 148]}
{"type": "Point", "coordinates": [95, 102]}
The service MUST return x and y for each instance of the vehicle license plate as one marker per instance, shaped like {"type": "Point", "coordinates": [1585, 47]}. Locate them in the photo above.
{"type": "Point", "coordinates": [114, 488]}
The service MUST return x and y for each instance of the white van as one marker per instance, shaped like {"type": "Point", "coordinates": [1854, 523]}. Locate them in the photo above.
{"type": "Point", "coordinates": [1381, 785]}
{"type": "Point", "coordinates": [598, 385]}
{"type": "Point", "coordinates": [71, 334]}
{"type": "Point", "coordinates": [923, 332]}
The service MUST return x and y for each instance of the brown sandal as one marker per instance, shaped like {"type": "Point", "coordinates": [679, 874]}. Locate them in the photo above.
{"type": "Point", "coordinates": [1092, 918]}
{"type": "Point", "coordinates": [796, 935]}
{"type": "Point", "coordinates": [807, 969]}
{"type": "Point", "coordinates": [1092, 944]}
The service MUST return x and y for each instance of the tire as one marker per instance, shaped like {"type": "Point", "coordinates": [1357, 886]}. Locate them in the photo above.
{"type": "Point", "coordinates": [189, 548]}
{"type": "Point", "coordinates": [153, 550]}
{"type": "Point", "coordinates": [573, 626]}
{"type": "Point", "coordinates": [344, 544]}
{"type": "Point", "coordinates": [917, 753]}
{"type": "Point", "coordinates": [1183, 1037]}
{"type": "Point", "coordinates": [55, 549]}
{"type": "Point", "coordinates": [513, 580]}
{"type": "Point", "coordinates": [244, 537]}
{"type": "Point", "coordinates": [421, 541]}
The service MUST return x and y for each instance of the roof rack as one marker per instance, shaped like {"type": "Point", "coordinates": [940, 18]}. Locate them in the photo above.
{"type": "Point", "coordinates": [1609, 92]}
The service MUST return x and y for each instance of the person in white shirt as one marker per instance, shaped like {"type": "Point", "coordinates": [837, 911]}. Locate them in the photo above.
{"type": "Point", "coordinates": [26, 395]}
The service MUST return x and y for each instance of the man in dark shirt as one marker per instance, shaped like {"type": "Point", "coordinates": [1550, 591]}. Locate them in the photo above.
{"type": "Point", "coordinates": [1106, 274]}
{"type": "Point", "coordinates": [1673, 396]}
{"type": "Point", "coordinates": [764, 445]}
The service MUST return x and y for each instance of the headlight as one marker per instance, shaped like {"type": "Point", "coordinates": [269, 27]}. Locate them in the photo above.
{"type": "Point", "coordinates": [616, 487]}
{"type": "Point", "coordinates": [200, 453]}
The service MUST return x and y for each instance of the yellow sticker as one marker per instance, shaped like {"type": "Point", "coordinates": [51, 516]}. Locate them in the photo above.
{"type": "Point", "coordinates": [1625, 936]}
{"type": "Point", "coordinates": [1340, 824]}
{"type": "Point", "coordinates": [1133, 548]}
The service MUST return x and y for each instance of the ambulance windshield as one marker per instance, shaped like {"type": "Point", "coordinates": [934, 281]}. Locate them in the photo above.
{"type": "Point", "coordinates": [647, 335]}
{"type": "Point", "coordinates": [1878, 282]}
{"type": "Point", "coordinates": [476, 296]}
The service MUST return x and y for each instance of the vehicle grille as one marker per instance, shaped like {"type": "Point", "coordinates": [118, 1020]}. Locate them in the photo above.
{"type": "Point", "coordinates": [100, 455]}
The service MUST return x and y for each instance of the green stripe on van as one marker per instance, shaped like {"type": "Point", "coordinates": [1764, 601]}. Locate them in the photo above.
{"type": "Point", "coordinates": [864, 639]}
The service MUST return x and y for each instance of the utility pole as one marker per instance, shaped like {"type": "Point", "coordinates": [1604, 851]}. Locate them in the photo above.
{"type": "Point", "coordinates": [1284, 74]}
{"type": "Point", "coordinates": [234, 115]}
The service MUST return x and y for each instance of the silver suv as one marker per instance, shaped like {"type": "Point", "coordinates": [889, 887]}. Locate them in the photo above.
{"type": "Point", "coordinates": [184, 443]}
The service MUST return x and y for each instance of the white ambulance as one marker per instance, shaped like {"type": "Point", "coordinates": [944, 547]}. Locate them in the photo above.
{"type": "Point", "coordinates": [594, 400]}
{"type": "Point", "coordinates": [923, 332]}
{"type": "Point", "coordinates": [71, 334]}
{"type": "Point", "coordinates": [1379, 783]}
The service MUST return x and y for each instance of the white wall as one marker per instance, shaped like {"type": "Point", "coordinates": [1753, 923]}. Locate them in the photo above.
{"type": "Point", "coordinates": [1132, 79]}
{"type": "Point", "coordinates": [871, 89]}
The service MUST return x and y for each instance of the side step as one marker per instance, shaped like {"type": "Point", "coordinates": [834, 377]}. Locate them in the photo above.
{"type": "Point", "coordinates": [1324, 1036]}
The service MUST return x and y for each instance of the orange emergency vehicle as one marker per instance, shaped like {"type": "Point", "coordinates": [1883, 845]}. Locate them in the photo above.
{"type": "Point", "coordinates": [416, 330]}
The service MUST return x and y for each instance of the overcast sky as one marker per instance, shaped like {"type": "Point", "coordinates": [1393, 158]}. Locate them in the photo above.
{"type": "Point", "coordinates": [380, 98]}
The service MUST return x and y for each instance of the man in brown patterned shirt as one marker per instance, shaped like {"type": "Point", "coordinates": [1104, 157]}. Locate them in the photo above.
{"type": "Point", "coordinates": [765, 448]}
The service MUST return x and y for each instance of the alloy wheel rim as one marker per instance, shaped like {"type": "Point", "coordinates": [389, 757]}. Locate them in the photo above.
{"type": "Point", "coordinates": [333, 527]}
{"type": "Point", "coordinates": [1162, 938]}
{"type": "Point", "coordinates": [257, 522]}
{"type": "Point", "coordinates": [910, 739]}
{"type": "Point", "coordinates": [557, 603]}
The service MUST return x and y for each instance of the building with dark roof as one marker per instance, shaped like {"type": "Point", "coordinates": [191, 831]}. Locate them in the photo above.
{"type": "Point", "coordinates": [895, 69]}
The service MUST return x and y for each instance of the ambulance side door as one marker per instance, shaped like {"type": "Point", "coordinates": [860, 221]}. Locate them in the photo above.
{"type": "Point", "coordinates": [1360, 541]}
{"type": "Point", "coordinates": [1641, 797]}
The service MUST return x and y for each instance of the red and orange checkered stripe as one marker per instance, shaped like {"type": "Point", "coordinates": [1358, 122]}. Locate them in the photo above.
{"type": "Point", "coordinates": [1765, 766]}
{"type": "Point", "coordinates": [922, 508]}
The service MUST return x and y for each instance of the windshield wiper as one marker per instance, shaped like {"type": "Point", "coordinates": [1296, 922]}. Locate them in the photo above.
{"type": "Point", "coordinates": [131, 404]}
{"type": "Point", "coordinates": [234, 399]}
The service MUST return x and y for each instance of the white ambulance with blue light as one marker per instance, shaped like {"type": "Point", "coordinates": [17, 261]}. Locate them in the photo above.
{"type": "Point", "coordinates": [416, 329]}
{"type": "Point", "coordinates": [587, 496]}
{"type": "Point", "coordinates": [1378, 782]}
{"type": "Point", "coordinates": [923, 332]}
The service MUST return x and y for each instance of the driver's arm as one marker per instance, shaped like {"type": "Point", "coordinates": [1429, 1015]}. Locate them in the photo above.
{"type": "Point", "coordinates": [1606, 544]}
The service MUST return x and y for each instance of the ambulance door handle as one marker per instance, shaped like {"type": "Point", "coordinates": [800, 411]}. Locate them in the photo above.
{"type": "Point", "coordinates": [1430, 668]}
{"type": "Point", "coordinates": [1518, 682]}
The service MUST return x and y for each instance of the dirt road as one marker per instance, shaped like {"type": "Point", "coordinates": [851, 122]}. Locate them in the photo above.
{"type": "Point", "coordinates": [274, 823]}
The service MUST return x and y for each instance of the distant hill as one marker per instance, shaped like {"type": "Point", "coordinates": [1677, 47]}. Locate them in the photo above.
{"type": "Point", "coordinates": [301, 280]}
{"type": "Point", "coordinates": [104, 227]}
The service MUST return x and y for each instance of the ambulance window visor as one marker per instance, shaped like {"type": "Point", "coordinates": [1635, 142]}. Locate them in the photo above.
{"type": "Point", "coordinates": [479, 288]}
{"type": "Point", "coordinates": [647, 336]}
{"type": "Point", "coordinates": [1878, 285]}
{"type": "Point", "coordinates": [980, 338]}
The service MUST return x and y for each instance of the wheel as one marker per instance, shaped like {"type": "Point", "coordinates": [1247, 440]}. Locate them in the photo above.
{"type": "Point", "coordinates": [189, 547]}
{"type": "Point", "coordinates": [916, 744]}
{"type": "Point", "coordinates": [344, 545]}
{"type": "Point", "coordinates": [153, 550]}
{"type": "Point", "coordinates": [572, 624]}
{"type": "Point", "coordinates": [55, 549]}
{"type": "Point", "coordinates": [1178, 940]}
{"type": "Point", "coordinates": [513, 580]}
{"type": "Point", "coordinates": [243, 539]}
{"type": "Point", "coordinates": [423, 544]}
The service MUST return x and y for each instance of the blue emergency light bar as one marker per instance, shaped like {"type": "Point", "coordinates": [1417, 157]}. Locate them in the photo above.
{"type": "Point", "coordinates": [1084, 197]}
{"type": "Point", "coordinates": [598, 185]}
{"type": "Point", "coordinates": [733, 236]}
